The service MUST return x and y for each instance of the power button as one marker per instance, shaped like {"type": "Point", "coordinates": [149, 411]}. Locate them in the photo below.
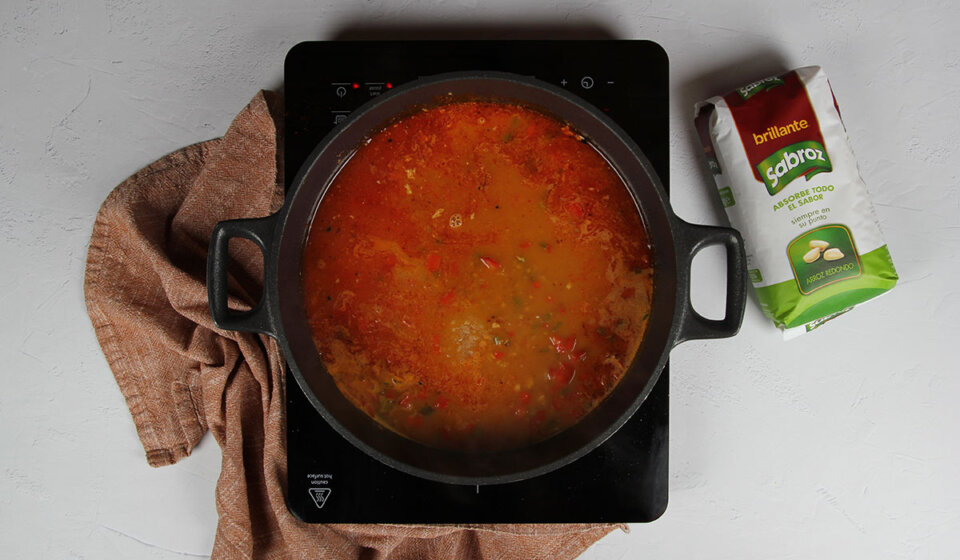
{"type": "Point", "coordinates": [586, 82]}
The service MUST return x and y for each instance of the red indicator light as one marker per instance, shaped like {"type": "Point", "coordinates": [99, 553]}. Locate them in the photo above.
{"type": "Point", "coordinates": [356, 85]}
{"type": "Point", "coordinates": [389, 85]}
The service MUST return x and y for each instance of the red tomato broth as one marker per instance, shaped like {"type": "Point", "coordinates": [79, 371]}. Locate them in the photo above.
{"type": "Point", "coordinates": [477, 277]}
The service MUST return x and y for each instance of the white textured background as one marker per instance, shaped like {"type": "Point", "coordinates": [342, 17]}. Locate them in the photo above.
{"type": "Point", "coordinates": [842, 444]}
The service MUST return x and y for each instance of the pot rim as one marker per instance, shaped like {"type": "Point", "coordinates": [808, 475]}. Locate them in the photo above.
{"type": "Point", "coordinates": [660, 290]}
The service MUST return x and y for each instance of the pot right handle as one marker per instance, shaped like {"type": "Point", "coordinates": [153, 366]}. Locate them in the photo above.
{"type": "Point", "coordinates": [691, 238]}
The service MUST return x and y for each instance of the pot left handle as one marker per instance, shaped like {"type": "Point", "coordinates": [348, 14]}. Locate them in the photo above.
{"type": "Point", "coordinates": [261, 318]}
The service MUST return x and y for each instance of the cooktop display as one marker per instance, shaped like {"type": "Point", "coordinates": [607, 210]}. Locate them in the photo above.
{"type": "Point", "coordinates": [331, 481]}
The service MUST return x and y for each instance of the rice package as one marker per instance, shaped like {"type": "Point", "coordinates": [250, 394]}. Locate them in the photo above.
{"type": "Point", "coordinates": [787, 177]}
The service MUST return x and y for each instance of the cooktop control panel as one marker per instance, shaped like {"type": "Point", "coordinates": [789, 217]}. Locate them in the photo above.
{"type": "Point", "coordinates": [326, 81]}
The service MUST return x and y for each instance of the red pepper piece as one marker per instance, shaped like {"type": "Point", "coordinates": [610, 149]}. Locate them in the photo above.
{"type": "Point", "coordinates": [497, 355]}
{"type": "Point", "coordinates": [524, 397]}
{"type": "Point", "coordinates": [433, 262]}
{"type": "Point", "coordinates": [578, 356]}
{"type": "Point", "coordinates": [405, 402]}
{"type": "Point", "coordinates": [564, 345]}
{"type": "Point", "coordinates": [448, 298]}
{"type": "Point", "coordinates": [524, 244]}
{"type": "Point", "coordinates": [390, 261]}
{"type": "Point", "coordinates": [441, 402]}
{"type": "Point", "coordinates": [561, 374]}
{"type": "Point", "coordinates": [490, 263]}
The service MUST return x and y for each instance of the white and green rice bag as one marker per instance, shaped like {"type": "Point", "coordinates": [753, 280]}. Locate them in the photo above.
{"type": "Point", "coordinates": [789, 182]}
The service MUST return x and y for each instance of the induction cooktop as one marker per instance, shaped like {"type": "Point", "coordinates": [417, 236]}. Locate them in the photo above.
{"type": "Point", "coordinates": [622, 480]}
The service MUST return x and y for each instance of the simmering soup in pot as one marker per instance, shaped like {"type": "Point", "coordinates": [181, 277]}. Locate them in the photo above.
{"type": "Point", "coordinates": [477, 277]}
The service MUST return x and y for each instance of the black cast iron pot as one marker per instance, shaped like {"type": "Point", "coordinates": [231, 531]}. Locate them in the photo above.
{"type": "Point", "coordinates": [280, 312]}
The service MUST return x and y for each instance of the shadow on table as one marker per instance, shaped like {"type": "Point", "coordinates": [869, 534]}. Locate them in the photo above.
{"type": "Point", "coordinates": [723, 77]}
{"type": "Point", "coordinates": [476, 30]}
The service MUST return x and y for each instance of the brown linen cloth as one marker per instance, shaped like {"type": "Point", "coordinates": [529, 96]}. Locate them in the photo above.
{"type": "Point", "coordinates": [146, 295]}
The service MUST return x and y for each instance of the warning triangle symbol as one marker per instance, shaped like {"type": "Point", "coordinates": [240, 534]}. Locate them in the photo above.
{"type": "Point", "coordinates": [319, 496]}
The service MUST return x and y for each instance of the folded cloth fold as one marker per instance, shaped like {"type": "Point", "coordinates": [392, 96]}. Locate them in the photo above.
{"type": "Point", "coordinates": [146, 295]}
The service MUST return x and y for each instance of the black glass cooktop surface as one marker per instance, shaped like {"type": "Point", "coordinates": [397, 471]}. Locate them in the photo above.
{"type": "Point", "coordinates": [624, 479]}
